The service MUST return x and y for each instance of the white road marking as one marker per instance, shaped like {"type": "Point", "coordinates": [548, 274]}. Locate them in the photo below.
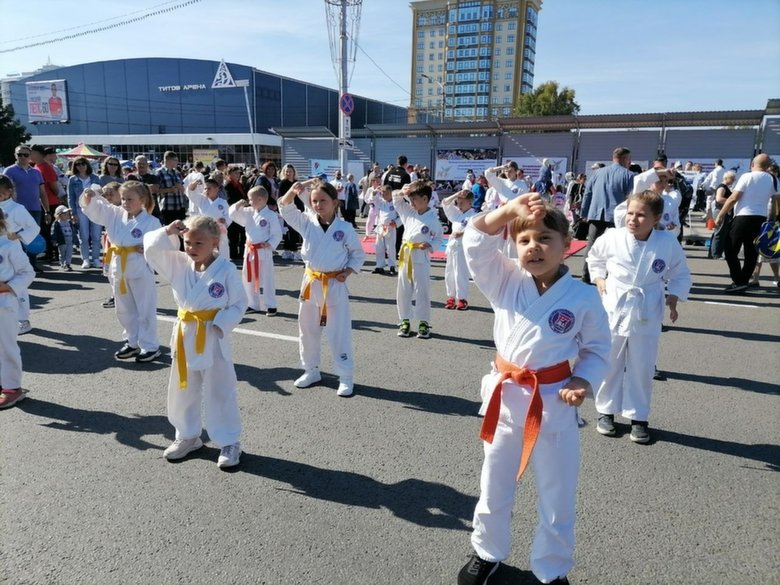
{"type": "Point", "coordinates": [731, 305]}
{"type": "Point", "coordinates": [242, 331]}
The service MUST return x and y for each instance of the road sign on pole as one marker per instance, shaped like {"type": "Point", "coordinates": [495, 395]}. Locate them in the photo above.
{"type": "Point", "coordinates": [347, 104]}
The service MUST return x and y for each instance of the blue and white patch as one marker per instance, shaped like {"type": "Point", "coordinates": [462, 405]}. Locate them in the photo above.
{"type": "Point", "coordinates": [666, 217]}
{"type": "Point", "coordinates": [464, 222]}
{"type": "Point", "coordinates": [515, 190]}
{"type": "Point", "coordinates": [220, 207]}
{"type": "Point", "coordinates": [263, 222]}
{"type": "Point", "coordinates": [1, 259]}
{"type": "Point", "coordinates": [216, 290]}
{"type": "Point", "coordinates": [343, 357]}
{"type": "Point", "coordinates": [391, 208]}
{"type": "Point", "coordinates": [338, 235]}
{"type": "Point", "coordinates": [425, 229]}
{"type": "Point", "coordinates": [136, 233]}
{"type": "Point", "coordinates": [658, 266]}
{"type": "Point", "coordinates": [561, 320]}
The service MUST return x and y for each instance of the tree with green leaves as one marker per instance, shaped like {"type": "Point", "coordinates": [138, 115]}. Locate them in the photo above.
{"type": "Point", "coordinates": [12, 134]}
{"type": "Point", "coordinates": [547, 100]}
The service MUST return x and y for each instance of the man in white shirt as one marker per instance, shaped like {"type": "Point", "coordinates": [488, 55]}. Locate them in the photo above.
{"type": "Point", "coordinates": [749, 200]}
{"type": "Point", "coordinates": [338, 183]}
{"type": "Point", "coordinates": [715, 177]}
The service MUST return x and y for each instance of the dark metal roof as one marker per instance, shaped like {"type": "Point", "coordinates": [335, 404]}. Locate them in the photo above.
{"type": "Point", "coordinates": [304, 132]}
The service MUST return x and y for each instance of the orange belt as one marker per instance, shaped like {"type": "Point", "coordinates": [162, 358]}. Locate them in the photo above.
{"type": "Point", "coordinates": [185, 316]}
{"type": "Point", "coordinates": [253, 261]}
{"type": "Point", "coordinates": [533, 419]}
{"type": "Point", "coordinates": [323, 277]}
{"type": "Point", "coordinates": [405, 258]}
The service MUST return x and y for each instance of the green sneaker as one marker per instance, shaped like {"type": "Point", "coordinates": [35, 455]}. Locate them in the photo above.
{"type": "Point", "coordinates": [424, 330]}
{"type": "Point", "coordinates": [404, 328]}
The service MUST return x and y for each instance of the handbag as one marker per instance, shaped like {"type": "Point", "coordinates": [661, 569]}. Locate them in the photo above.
{"type": "Point", "coordinates": [37, 246]}
{"type": "Point", "coordinates": [768, 240]}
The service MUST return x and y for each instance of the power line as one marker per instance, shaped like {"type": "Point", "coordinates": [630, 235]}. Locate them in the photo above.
{"type": "Point", "coordinates": [382, 70]}
{"type": "Point", "coordinates": [102, 28]}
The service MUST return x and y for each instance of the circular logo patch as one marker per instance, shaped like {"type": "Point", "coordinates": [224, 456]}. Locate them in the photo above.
{"type": "Point", "coordinates": [666, 217]}
{"type": "Point", "coordinates": [391, 208]}
{"type": "Point", "coordinates": [561, 320]}
{"type": "Point", "coordinates": [515, 190]}
{"type": "Point", "coordinates": [1, 259]}
{"type": "Point", "coordinates": [464, 222]}
{"type": "Point", "coordinates": [658, 266]}
{"type": "Point", "coordinates": [216, 290]}
{"type": "Point", "coordinates": [263, 223]}
{"type": "Point", "coordinates": [425, 229]}
{"type": "Point", "coordinates": [338, 235]}
{"type": "Point", "coordinates": [136, 233]}
{"type": "Point", "coordinates": [220, 207]}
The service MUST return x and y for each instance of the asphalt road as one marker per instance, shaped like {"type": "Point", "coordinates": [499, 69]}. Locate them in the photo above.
{"type": "Point", "coordinates": [378, 488]}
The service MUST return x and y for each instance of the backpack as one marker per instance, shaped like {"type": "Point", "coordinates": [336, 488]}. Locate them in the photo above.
{"type": "Point", "coordinates": [686, 192]}
{"type": "Point", "coordinates": [768, 240]}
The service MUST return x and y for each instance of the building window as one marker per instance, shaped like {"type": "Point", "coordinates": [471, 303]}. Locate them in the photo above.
{"type": "Point", "coordinates": [441, 44]}
{"type": "Point", "coordinates": [421, 56]}
{"type": "Point", "coordinates": [497, 65]}
{"type": "Point", "coordinates": [430, 91]}
{"type": "Point", "coordinates": [421, 34]}
{"type": "Point", "coordinates": [507, 88]}
{"type": "Point", "coordinates": [499, 25]}
{"type": "Point", "coordinates": [510, 50]}
{"type": "Point", "coordinates": [440, 68]}
{"type": "Point", "coordinates": [421, 45]}
{"type": "Point", "coordinates": [418, 92]}
{"type": "Point", "coordinates": [420, 69]}
{"type": "Point", "coordinates": [495, 97]}
{"type": "Point", "coordinates": [510, 38]}
{"type": "Point", "coordinates": [509, 64]}
{"type": "Point", "coordinates": [432, 33]}
{"type": "Point", "coordinates": [430, 68]}
{"type": "Point", "coordinates": [508, 75]}
{"type": "Point", "coordinates": [507, 111]}
{"type": "Point", "coordinates": [430, 56]}
{"type": "Point", "coordinates": [451, 29]}
{"type": "Point", "coordinates": [496, 76]}
{"type": "Point", "coordinates": [499, 39]}
{"type": "Point", "coordinates": [422, 21]}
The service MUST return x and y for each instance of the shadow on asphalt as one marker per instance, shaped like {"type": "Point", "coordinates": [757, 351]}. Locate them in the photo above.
{"type": "Point", "coordinates": [267, 379]}
{"type": "Point", "coordinates": [426, 402]}
{"type": "Point", "coordinates": [425, 503]}
{"type": "Point", "coordinates": [127, 430]}
{"type": "Point", "coordinates": [506, 575]}
{"type": "Point", "coordinates": [734, 334]}
{"type": "Point", "coordinates": [763, 453]}
{"type": "Point", "coordinates": [740, 383]}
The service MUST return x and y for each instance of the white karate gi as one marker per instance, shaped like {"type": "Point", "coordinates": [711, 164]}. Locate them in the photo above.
{"type": "Point", "coordinates": [19, 221]}
{"type": "Point", "coordinates": [136, 310]}
{"type": "Point", "coordinates": [385, 231]}
{"type": "Point", "coordinates": [506, 189]}
{"type": "Point", "coordinates": [17, 272]}
{"type": "Point", "coordinates": [262, 227]}
{"type": "Point", "coordinates": [211, 376]}
{"type": "Point", "coordinates": [331, 250]}
{"type": "Point", "coordinates": [456, 273]}
{"type": "Point", "coordinates": [534, 331]}
{"type": "Point", "coordinates": [671, 214]}
{"type": "Point", "coordinates": [193, 177]}
{"type": "Point", "coordinates": [217, 209]}
{"type": "Point", "coordinates": [635, 273]}
{"type": "Point", "coordinates": [373, 212]}
{"type": "Point", "coordinates": [418, 228]}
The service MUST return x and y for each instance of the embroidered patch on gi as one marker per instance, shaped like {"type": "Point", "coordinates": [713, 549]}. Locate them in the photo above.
{"type": "Point", "coordinates": [515, 190]}
{"type": "Point", "coordinates": [425, 229]}
{"type": "Point", "coordinates": [136, 233]}
{"type": "Point", "coordinates": [561, 320]}
{"type": "Point", "coordinates": [658, 266]}
{"type": "Point", "coordinates": [263, 223]}
{"type": "Point", "coordinates": [666, 217]}
{"type": "Point", "coordinates": [343, 357]}
{"type": "Point", "coordinates": [220, 207]}
{"type": "Point", "coordinates": [391, 208]}
{"type": "Point", "coordinates": [1, 259]}
{"type": "Point", "coordinates": [338, 235]}
{"type": "Point", "coordinates": [216, 290]}
{"type": "Point", "coordinates": [464, 222]}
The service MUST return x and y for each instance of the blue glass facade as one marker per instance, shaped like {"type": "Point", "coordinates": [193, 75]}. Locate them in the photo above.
{"type": "Point", "coordinates": [174, 96]}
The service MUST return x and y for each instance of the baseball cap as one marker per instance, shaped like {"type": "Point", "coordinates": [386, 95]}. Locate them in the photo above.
{"type": "Point", "coordinates": [60, 210]}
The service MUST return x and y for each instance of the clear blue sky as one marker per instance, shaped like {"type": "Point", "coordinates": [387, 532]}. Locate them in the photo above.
{"type": "Point", "coordinates": [620, 56]}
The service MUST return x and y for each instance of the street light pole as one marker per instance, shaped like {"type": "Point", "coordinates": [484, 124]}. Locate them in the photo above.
{"type": "Point", "coordinates": [443, 92]}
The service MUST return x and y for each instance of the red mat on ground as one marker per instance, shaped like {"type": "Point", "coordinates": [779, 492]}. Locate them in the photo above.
{"type": "Point", "coordinates": [440, 254]}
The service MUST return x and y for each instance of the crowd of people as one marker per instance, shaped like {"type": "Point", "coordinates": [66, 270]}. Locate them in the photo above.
{"type": "Point", "coordinates": [557, 339]}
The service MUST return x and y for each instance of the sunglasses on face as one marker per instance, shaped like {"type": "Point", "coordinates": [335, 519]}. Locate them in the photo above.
{"type": "Point", "coordinates": [23, 154]}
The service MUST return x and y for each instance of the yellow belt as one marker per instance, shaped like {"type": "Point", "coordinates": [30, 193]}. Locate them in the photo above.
{"type": "Point", "coordinates": [186, 316]}
{"type": "Point", "coordinates": [405, 257]}
{"type": "Point", "coordinates": [323, 277]}
{"type": "Point", "coordinates": [123, 252]}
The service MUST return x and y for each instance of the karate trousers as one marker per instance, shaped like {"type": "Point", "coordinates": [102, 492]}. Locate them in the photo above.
{"type": "Point", "coordinates": [419, 290]}
{"type": "Point", "coordinates": [556, 464]}
{"type": "Point", "coordinates": [456, 272]}
{"type": "Point", "coordinates": [628, 387]}
{"type": "Point", "coordinates": [267, 292]}
{"type": "Point", "coordinates": [338, 329]}
{"type": "Point", "coordinates": [10, 355]}
{"type": "Point", "coordinates": [216, 388]}
{"type": "Point", "coordinates": [385, 243]}
{"type": "Point", "coordinates": [137, 311]}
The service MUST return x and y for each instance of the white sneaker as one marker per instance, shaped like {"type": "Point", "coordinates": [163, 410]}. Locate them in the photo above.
{"type": "Point", "coordinates": [345, 387]}
{"type": "Point", "coordinates": [309, 378]}
{"type": "Point", "coordinates": [86, 264]}
{"type": "Point", "coordinates": [229, 456]}
{"type": "Point", "coordinates": [181, 448]}
{"type": "Point", "coordinates": [24, 327]}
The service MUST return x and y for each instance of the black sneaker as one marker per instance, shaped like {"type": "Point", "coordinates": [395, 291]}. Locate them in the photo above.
{"type": "Point", "coordinates": [148, 356]}
{"type": "Point", "coordinates": [560, 581]}
{"type": "Point", "coordinates": [476, 571]}
{"type": "Point", "coordinates": [734, 289]}
{"type": "Point", "coordinates": [404, 328]}
{"type": "Point", "coordinates": [639, 432]}
{"type": "Point", "coordinates": [392, 271]}
{"type": "Point", "coordinates": [658, 375]}
{"type": "Point", "coordinates": [126, 352]}
{"type": "Point", "coordinates": [606, 425]}
{"type": "Point", "coordinates": [108, 304]}
{"type": "Point", "coordinates": [271, 312]}
{"type": "Point", "coordinates": [378, 271]}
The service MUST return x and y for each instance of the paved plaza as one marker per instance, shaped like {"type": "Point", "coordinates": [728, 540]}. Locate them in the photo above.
{"type": "Point", "coordinates": [378, 488]}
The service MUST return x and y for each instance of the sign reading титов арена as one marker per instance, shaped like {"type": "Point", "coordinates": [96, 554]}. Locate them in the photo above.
{"type": "Point", "coordinates": [166, 88]}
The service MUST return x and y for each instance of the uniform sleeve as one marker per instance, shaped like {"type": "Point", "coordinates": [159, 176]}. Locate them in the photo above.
{"type": "Point", "coordinates": [452, 212]}
{"type": "Point", "coordinates": [402, 207]}
{"type": "Point", "coordinates": [490, 269]}
{"type": "Point", "coordinates": [100, 211]}
{"type": "Point", "coordinates": [28, 228]}
{"type": "Point", "coordinates": [437, 236]}
{"type": "Point", "coordinates": [294, 218]}
{"type": "Point", "coordinates": [239, 214]}
{"type": "Point", "coordinates": [23, 270]}
{"type": "Point", "coordinates": [595, 342]}
{"type": "Point", "coordinates": [357, 255]}
{"type": "Point", "coordinates": [678, 277]}
{"type": "Point", "coordinates": [228, 318]}
{"type": "Point", "coordinates": [597, 257]}
{"type": "Point", "coordinates": [275, 227]}
{"type": "Point", "coordinates": [162, 253]}
{"type": "Point", "coordinates": [498, 184]}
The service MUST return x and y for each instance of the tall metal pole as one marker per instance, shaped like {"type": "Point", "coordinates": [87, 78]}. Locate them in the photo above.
{"type": "Point", "coordinates": [343, 153]}
{"type": "Point", "coordinates": [244, 83]}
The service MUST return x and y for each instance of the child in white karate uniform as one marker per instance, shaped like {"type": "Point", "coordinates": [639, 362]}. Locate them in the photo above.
{"type": "Point", "coordinates": [207, 289]}
{"type": "Point", "coordinates": [16, 274]}
{"type": "Point", "coordinates": [385, 229]}
{"type": "Point", "coordinates": [552, 339]}
{"type": "Point", "coordinates": [263, 234]}
{"type": "Point", "coordinates": [373, 213]}
{"type": "Point", "coordinates": [457, 208]}
{"type": "Point", "coordinates": [20, 225]}
{"type": "Point", "coordinates": [331, 252]}
{"type": "Point", "coordinates": [630, 266]}
{"type": "Point", "coordinates": [135, 292]}
{"type": "Point", "coordinates": [110, 193]}
{"type": "Point", "coordinates": [422, 234]}
{"type": "Point", "coordinates": [206, 201]}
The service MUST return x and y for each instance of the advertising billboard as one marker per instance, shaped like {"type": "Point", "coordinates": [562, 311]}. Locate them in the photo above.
{"type": "Point", "coordinates": [47, 101]}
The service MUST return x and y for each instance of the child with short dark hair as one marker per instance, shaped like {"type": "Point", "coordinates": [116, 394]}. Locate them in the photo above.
{"type": "Point", "coordinates": [630, 266]}
{"type": "Point", "coordinates": [422, 235]}
{"type": "Point", "coordinates": [551, 338]}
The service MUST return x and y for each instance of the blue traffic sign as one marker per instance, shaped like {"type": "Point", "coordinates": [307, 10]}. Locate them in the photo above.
{"type": "Point", "coordinates": [347, 104]}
